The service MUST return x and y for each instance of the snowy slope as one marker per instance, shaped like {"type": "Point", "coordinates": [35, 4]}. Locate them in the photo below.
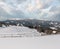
{"type": "Point", "coordinates": [18, 31]}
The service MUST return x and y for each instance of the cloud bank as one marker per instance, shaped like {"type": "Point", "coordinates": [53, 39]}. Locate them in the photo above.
{"type": "Point", "coordinates": [37, 9]}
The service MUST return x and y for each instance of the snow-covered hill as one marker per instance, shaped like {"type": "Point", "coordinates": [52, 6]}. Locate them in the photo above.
{"type": "Point", "coordinates": [18, 31]}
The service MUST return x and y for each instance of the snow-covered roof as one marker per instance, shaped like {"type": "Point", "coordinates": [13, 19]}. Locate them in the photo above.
{"type": "Point", "coordinates": [54, 28]}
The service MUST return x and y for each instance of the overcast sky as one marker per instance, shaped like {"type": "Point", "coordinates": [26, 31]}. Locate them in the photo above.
{"type": "Point", "coordinates": [37, 9]}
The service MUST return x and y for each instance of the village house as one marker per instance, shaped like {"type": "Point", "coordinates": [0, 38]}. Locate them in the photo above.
{"type": "Point", "coordinates": [48, 30]}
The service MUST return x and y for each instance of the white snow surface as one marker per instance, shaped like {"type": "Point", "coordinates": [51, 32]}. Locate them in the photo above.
{"type": "Point", "coordinates": [18, 31]}
{"type": "Point", "coordinates": [42, 42]}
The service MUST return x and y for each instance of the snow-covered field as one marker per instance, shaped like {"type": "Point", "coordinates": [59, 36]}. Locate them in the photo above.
{"type": "Point", "coordinates": [41, 42]}
{"type": "Point", "coordinates": [18, 31]}
{"type": "Point", "coordinates": [44, 42]}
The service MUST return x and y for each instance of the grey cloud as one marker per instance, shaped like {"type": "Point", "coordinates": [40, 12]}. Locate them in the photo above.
{"type": "Point", "coordinates": [12, 1]}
